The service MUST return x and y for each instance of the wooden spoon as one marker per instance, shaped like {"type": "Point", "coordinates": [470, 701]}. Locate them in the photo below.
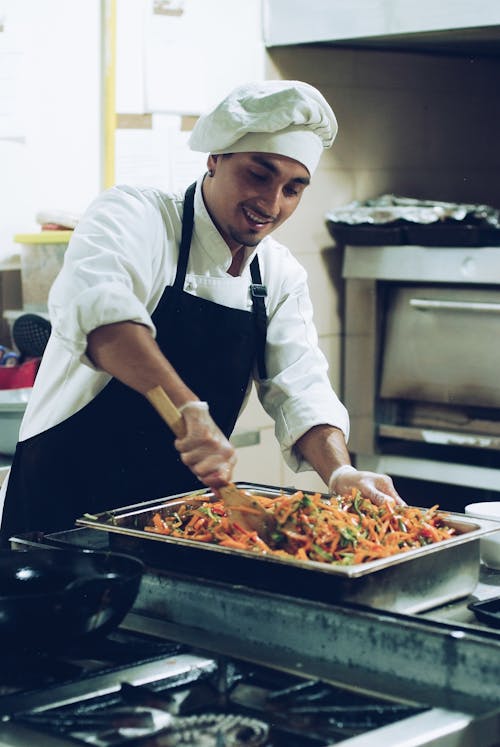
{"type": "Point", "coordinates": [242, 508]}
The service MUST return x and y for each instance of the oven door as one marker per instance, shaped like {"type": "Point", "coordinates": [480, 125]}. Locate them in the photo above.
{"type": "Point", "coordinates": [441, 345]}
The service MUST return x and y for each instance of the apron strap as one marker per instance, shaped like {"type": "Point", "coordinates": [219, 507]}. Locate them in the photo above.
{"type": "Point", "coordinates": [258, 291]}
{"type": "Point", "coordinates": [187, 232]}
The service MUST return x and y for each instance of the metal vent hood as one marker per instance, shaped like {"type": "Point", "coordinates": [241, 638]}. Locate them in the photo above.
{"type": "Point", "coordinates": [450, 26]}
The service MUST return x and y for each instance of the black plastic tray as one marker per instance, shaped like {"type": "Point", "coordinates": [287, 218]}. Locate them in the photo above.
{"type": "Point", "coordinates": [487, 611]}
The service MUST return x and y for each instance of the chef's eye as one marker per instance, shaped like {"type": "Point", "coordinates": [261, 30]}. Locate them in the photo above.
{"type": "Point", "coordinates": [258, 177]}
{"type": "Point", "coordinates": [290, 190]}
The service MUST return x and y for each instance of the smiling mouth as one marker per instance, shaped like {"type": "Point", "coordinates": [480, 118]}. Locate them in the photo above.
{"type": "Point", "coordinates": [257, 220]}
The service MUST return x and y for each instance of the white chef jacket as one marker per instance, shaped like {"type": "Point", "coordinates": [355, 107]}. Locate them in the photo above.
{"type": "Point", "coordinates": [121, 256]}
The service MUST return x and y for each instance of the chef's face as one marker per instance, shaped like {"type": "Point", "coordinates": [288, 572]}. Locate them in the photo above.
{"type": "Point", "coordinates": [251, 194]}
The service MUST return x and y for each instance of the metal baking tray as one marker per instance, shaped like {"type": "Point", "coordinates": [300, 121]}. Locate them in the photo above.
{"type": "Point", "coordinates": [408, 582]}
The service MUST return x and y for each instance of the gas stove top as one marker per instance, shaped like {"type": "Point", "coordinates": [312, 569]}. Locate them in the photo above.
{"type": "Point", "coordinates": [131, 690]}
{"type": "Point", "coordinates": [207, 663]}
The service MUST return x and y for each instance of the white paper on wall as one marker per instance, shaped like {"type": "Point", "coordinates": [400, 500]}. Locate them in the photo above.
{"type": "Point", "coordinates": [12, 58]}
{"type": "Point", "coordinates": [157, 157]}
{"type": "Point", "coordinates": [186, 165]}
{"type": "Point", "coordinates": [172, 50]}
{"type": "Point", "coordinates": [130, 73]}
{"type": "Point", "coordinates": [178, 57]}
{"type": "Point", "coordinates": [193, 58]}
{"type": "Point", "coordinates": [139, 160]}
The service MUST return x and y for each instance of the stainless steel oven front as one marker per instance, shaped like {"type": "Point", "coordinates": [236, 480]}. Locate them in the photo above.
{"type": "Point", "coordinates": [421, 374]}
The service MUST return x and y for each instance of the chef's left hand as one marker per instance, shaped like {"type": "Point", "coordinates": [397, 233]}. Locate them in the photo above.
{"type": "Point", "coordinates": [376, 487]}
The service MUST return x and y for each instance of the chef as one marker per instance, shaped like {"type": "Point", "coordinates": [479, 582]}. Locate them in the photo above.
{"type": "Point", "coordinates": [191, 293]}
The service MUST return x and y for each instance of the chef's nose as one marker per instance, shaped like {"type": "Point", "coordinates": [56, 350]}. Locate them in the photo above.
{"type": "Point", "coordinates": [270, 200]}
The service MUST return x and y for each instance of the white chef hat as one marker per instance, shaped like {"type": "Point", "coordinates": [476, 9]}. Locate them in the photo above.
{"type": "Point", "coordinates": [286, 117]}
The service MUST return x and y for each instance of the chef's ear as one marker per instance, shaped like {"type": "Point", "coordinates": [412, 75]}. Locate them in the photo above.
{"type": "Point", "coordinates": [211, 163]}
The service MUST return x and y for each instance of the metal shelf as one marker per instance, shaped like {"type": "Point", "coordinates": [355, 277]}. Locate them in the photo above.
{"type": "Point", "coordinates": [452, 26]}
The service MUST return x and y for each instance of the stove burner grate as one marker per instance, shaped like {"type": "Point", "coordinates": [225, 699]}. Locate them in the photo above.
{"type": "Point", "coordinates": [219, 730]}
{"type": "Point", "coordinates": [192, 699]}
{"type": "Point", "coordinates": [126, 726]}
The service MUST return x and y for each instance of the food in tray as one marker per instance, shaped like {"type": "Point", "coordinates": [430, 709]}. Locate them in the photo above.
{"type": "Point", "coordinates": [344, 530]}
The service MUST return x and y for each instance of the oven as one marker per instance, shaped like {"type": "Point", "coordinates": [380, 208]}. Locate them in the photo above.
{"type": "Point", "coordinates": [421, 368]}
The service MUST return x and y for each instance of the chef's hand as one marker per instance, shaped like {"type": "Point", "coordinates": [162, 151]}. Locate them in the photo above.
{"type": "Point", "coordinates": [377, 488]}
{"type": "Point", "coordinates": [204, 448]}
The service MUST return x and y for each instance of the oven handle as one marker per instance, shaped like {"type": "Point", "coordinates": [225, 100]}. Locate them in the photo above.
{"type": "Point", "coordinates": [424, 304]}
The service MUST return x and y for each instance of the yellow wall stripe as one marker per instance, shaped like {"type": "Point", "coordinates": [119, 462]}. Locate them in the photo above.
{"type": "Point", "coordinates": [108, 92]}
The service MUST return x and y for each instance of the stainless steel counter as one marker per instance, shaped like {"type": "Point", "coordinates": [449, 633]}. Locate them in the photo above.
{"type": "Point", "coordinates": [443, 657]}
{"type": "Point", "coordinates": [458, 613]}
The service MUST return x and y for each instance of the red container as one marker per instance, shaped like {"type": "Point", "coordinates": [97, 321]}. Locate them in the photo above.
{"type": "Point", "coordinates": [19, 377]}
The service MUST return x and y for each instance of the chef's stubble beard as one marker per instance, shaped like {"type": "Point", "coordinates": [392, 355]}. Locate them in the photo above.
{"type": "Point", "coordinates": [244, 239]}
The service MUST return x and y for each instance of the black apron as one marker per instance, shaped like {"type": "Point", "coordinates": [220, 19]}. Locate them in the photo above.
{"type": "Point", "coordinates": [117, 450]}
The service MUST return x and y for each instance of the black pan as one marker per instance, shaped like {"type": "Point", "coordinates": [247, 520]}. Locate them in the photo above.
{"type": "Point", "coordinates": [55, 596]}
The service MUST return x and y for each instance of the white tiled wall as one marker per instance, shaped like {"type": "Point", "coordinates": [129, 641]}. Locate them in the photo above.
{"type": "Point", "coordinates": [418, 124]}
{"type": "Point", "coordinates": [260, 463]}
{"type": "Point", "coordinates": [254, 416]}
{"type": "Point", "coordinates": [301, 481]}
{"type": "Point", "coordinates": [411, 124]}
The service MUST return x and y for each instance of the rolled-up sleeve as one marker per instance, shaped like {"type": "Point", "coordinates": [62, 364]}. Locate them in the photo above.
{"type": "Point", "coordinates": [297, 393]}
{"type": "Point", "coordinates": [110, 270]}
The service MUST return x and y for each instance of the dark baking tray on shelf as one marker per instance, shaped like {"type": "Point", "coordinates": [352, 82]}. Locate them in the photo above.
{"type": "Point", "coordinates": [404, 233]}
{"type": "Point", "coordinates": [487, 611]}
{"type": "Point", "coordinates": [489, 236]}
{"type": "Point", "coordinates": [443, 234]}
{"type": "Point", "coordinates": [409, 582]}
{"type": "Point", "coordinates": [367, 234]}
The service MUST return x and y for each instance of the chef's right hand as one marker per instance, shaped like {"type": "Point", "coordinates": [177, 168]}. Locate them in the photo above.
{"type": "Point", "coordinates": [377, 488]}
{"type": "Point", "coordinates": [204, 448]}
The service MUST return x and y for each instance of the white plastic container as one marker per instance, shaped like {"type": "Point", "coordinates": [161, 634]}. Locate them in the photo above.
{"type": "Point", "coordinates": [489, 546]}
{"type": "Point", "coordinates": [42, 256]}
{"type": "Point", "coordinates": [12, 406]}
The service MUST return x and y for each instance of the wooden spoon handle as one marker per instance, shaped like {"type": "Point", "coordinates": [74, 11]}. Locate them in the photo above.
{"type": "Point", "coordinates": [167, 410]}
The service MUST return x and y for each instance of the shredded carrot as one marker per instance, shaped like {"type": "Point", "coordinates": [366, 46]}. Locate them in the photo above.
{"type": "Point", "coordinates": [344, 530]}
{"type": "Point", "coordinates": [159, 524]}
